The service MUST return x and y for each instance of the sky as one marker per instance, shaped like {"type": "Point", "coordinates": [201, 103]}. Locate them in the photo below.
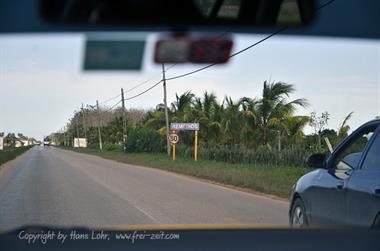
{"type": "Point", "coordinates": [42, 81]}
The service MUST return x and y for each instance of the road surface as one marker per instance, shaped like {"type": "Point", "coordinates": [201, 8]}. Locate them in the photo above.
{"type": "Point", "coordinates": [57, 187]}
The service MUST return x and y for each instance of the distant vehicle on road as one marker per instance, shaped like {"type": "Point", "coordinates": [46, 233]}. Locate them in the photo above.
{"type": "Point", "coordinates": [345, 188]}
{"type": "Point", "coordinates": [46, 141]}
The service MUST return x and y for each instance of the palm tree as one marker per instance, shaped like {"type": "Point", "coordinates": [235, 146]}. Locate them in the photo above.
{"type": "Point", "coordinates": [181, 105]}
{"type": "Point", "coordinates": [207, 112]}
{"type": "Point", "coordinates": [231, 123]}
{"type": "Point", "coordinates": [250, 127]}
{"type": "Point", "coordinates": [294, 128]}
{"type": "Point", "coordinates": [344, 128]}
{"type": "Point", "coordinates": [273, 108]}
{"type": "Point", "coordinates": [156, 119]}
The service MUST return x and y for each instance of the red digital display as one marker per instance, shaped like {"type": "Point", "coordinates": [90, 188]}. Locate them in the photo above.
{"type": "Point", "coordinates": [199, 50]}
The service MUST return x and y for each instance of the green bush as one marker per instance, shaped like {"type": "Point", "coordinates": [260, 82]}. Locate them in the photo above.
{"type": "Point", "coordinates": [141, 139]}
{"type": "Point", "coordinates": [112, 147]}
{"type": "Point", "coordinates": [148, 140]}
{"type": "Point", "coordinates": [292, 156]}
{"type": "Point", "coordinates": [11, 153]}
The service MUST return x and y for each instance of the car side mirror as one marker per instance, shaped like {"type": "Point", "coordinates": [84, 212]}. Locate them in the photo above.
{"type": "Point", "coordinates": [316, 160]}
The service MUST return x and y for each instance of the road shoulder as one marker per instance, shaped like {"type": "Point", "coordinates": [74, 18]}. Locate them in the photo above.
{"type": "Point", "coordinates": [217, 184]}
{"type": "Point", "coordinates": [7, 167]}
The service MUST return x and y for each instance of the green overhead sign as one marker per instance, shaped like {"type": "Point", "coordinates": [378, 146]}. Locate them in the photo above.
{"type": "Point", "coordinates": [117, 55]}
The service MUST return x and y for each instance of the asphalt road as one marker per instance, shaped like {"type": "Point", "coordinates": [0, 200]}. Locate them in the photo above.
{"type": "Point", "coordinates": [56, 187]}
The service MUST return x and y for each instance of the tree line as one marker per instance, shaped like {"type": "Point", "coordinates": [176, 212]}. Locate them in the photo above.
{"type": "Point", "coordinates": [11, 138]}
{"type": "Point", "coordinates": [267, 123]}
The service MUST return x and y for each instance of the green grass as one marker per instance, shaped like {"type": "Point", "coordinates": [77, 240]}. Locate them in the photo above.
{"type": "Point", "coordinates": [271, 180]}
{"type": "Point", "coordinates": [12, 153]}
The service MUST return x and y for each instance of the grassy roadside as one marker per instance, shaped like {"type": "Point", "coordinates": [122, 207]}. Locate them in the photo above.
{"type": "Point", "coordinates": [9, 154]}
{"type": "Point", "coordinates": [270, 180]}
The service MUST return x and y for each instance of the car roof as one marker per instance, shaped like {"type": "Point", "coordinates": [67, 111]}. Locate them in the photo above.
{"type": "Point", "coordinates": [374, 121]}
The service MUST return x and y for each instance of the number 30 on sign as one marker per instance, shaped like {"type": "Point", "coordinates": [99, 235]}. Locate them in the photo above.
{"type": "Point", "coordinates": [173, 138]}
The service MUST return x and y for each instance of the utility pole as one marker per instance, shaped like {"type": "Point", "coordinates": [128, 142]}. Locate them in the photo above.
{"type": "Point", "coordinates": [77, 129]}
{"type": "Point", "coordinates": [166, 111]}
{"type": "Point", "coordinates": [124, 120]}
{"type": "Point", "coordinates": [64, 136]}
{"type": "Point", "coordinates": [69, 138]}
{"type": "Point", "coordinates": [99, 132]}
{"type": "Point", "coordinates": [84, 123]}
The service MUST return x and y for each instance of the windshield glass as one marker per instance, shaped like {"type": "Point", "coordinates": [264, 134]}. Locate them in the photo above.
{"type": "Point", "coordinates": [96, 141]}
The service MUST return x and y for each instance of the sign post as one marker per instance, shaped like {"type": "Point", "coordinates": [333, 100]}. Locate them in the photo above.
{"type": "Point", "coordinates": [1, 143]}
{"type": "Point", "coordinates": [187, 127]}
{"type": "Point", "coordinates": [173, 152]}
{"type": "Point", "coordinates": [173, 138]}
{"type": "Point", "coordinates": [196, 146]}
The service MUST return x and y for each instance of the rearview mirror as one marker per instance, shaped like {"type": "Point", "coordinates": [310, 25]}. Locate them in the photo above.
{"type": "Point", "coordinates": [178, 14]}
{"type": "Point", "coordinates": [316, 160]}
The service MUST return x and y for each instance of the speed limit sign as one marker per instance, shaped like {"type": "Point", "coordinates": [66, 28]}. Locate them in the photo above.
{"type": "Point", "coordinates": [173, 138]}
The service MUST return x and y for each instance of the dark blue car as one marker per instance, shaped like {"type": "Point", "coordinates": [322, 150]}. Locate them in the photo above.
{"type": "Point", "coordinates": [345, 187]}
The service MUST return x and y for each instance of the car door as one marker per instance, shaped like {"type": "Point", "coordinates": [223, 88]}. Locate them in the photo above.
{"type": "Point", "coordinates": [330, 204]}
{"type": "Point", "coordinates": [363, 189]}
{"type": "Point", "coordinates": [326, 204]}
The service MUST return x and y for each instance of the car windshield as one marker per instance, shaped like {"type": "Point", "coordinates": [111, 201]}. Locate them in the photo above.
{"type": "Point", "coordinates": [95, 131]}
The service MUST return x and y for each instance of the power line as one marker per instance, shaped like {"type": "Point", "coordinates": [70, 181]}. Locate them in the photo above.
{"type": "Point", "coordinates": [135, 96]}
{"type": "Point", "coordinates": [210, 65]}
{"type": "Point", "coordinates": [134, 87]}
{"type": "Point", "coordinates": [232, 55]}
{"type": "Point", "coordinates": [168, 68]}
{"type": "Point", "coordinates": [192, 72]}
{"type": "Point", "coordinates": [110, 109]}
{"type": "Point", "coordinates": [138, 85]}
{"type": "Point", "coordinates": [146, 81]}
{"type": "Point", "coordinates": [220, 36]}
{"type": "Point", "coordinates": [258, 42]}
{"type": "Point", "coordinates": [108, 100]}
{"type": "Point", "coordinates": [245, 49]}
{"type": "Point", "coordinates": [141, 93]}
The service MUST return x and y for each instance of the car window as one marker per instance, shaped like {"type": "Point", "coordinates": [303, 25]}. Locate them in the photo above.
{"type": "Point", "coordinates": [372, 160]}
{"type": "Point", "coordinates": [350, 156]}
{"type": "Point", "coordinates": [249, 124]}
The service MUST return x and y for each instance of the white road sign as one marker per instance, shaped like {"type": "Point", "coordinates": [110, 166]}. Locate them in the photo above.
{"type": "Point", "coordinates": [173, 138]}
{"type": "Point", "coordinates": [1, 143]}
{"type": "Point", "coordinates": [184, 126]}
{"type": "Point", "coordinates": [80, 142]}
